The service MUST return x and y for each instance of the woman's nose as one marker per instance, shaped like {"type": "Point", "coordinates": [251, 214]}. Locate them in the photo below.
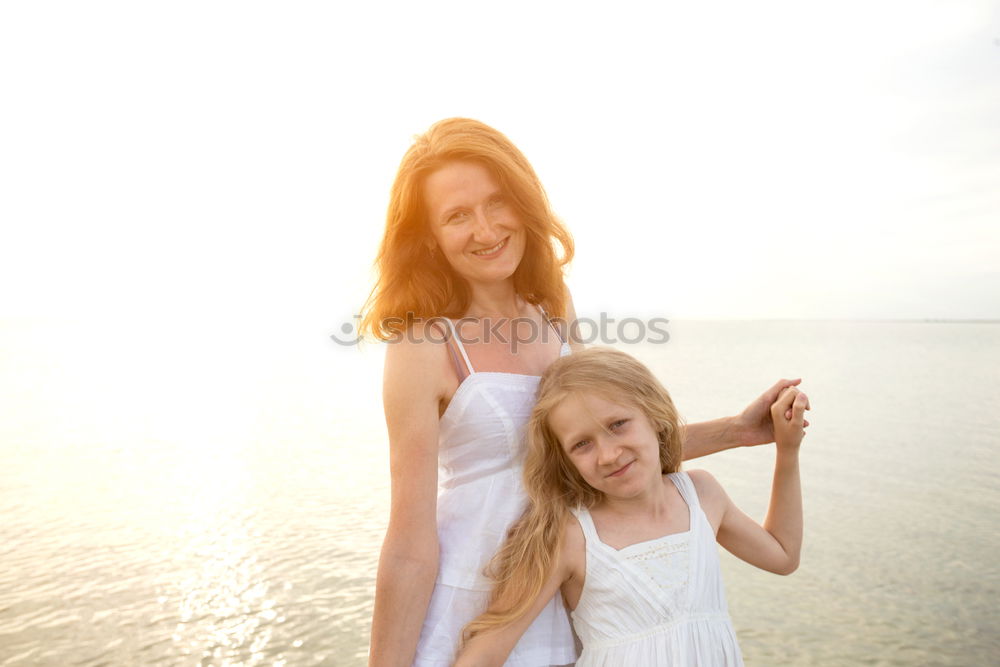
{"type": "Point", "coordinates": [484, 229]}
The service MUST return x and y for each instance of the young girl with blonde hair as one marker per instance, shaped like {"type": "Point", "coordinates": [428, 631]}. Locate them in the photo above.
{"type": "Point", "coordinates": [626, 536]}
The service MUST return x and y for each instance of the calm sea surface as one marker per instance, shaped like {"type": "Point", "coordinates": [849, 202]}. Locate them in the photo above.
{"type": "Point", "coordinates": [194, 498]}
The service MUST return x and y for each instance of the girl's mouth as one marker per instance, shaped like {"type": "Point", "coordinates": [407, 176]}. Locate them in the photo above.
{"type": "Point", "coordinates": [621, 471]}
{"type": "Point", "coordinates": [487, 253]}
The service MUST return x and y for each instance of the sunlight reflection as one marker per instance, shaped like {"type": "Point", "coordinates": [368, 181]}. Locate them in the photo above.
{"type": "Point", "coordinates": [225, 615]}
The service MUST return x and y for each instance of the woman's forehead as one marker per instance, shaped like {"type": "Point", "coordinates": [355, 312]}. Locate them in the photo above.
{"type": "Point", "coordinates": [458, 177]}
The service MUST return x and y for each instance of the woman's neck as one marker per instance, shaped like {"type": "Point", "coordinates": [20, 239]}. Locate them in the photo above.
{"type": "Point", "coordinates": [499, 301]}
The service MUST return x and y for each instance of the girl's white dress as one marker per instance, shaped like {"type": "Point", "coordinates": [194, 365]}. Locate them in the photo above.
{"type": "Point", "coordinates": [659, 602]}
{"type": "Point", "coordinates": [481, 442]}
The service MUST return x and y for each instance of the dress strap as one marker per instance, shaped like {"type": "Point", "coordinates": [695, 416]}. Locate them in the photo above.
{"type": "Point", "coordinates": [545, 316]}
{"type": "Point", "coordinates": [461, 348]}
{"type": "Point", "coordinates": [582, 515]}
{"type": "Point", "coordinates": [686, 488]}
{"type": "Point", "coordinates": [459, 371]}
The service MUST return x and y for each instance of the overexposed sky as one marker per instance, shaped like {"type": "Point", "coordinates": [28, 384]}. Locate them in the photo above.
{"type": "Point", "coordinates": [193, 160]}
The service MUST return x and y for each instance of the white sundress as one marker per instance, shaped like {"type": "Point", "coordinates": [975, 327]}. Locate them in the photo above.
{"type": "Point", "coordinates": [481, 442]}
{"type": "Point", "coordinates": [659, 602]}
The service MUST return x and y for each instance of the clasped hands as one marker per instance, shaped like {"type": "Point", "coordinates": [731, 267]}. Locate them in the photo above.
{"type": "Point", "coordinates": [754, 425]}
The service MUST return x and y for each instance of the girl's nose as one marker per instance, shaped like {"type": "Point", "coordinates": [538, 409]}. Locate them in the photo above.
{"type": "Point", "coordinates": [607, 451]}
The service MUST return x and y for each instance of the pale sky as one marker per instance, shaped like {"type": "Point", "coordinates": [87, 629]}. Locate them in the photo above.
{"type": "Point", "coordinates": [193, 160]}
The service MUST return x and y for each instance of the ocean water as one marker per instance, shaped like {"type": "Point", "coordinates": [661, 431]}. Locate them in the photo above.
{"type": "Point", "coordinates": [219, 498]}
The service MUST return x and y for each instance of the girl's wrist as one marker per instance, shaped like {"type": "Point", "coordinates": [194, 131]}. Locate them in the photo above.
{"type": "Point", "coordinates": [787, 452]}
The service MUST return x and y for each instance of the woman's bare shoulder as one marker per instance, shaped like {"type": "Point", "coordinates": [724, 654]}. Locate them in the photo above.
{"type": "Point", "coordinates": [419, 356]}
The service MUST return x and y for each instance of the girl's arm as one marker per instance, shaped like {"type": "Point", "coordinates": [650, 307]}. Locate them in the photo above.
{"type": "Point", "coordinates": [492, 648]}
{"type": "Point", "coordinates": [408, 564]}
{"type": "Point", "coordinates": [753, 426]}
{"type": "Point", "coordinates": [775, 545]}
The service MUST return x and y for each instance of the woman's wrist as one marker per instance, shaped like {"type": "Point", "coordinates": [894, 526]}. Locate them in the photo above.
{"type": "Point", "coordinates": [731, 433]}
{"type": "Point", "coordinates": [710, 437]}
{"type": "Point", "coordinates": [738, 434]}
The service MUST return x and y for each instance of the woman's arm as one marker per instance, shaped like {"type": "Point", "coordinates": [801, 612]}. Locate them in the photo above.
{"type": "Point", "coordinates": [408, 564]}
{"type": "Point", "coordinates": [775, 545]}
{"type": "Point", "coordinates": [753, 426]}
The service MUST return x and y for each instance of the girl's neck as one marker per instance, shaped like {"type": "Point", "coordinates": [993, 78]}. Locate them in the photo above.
{"type": "Point", "coordinates": [652, 503]}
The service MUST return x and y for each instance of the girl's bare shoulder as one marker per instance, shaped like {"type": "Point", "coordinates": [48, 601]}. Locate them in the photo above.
{"type": "Point", "coordinates": [574, 544]}
{"type": "Point", "coordinates": [711, 495]}
{"type": "Point", "coordinates": [572, 563]}
{"type": "Point", "coordinates": [704, 481]}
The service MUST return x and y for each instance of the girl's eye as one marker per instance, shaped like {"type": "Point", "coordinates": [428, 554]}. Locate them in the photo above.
{"type": "Point", "coordinates": [615, 425]}
{"type": "Point", "coordinates": [580, 445]}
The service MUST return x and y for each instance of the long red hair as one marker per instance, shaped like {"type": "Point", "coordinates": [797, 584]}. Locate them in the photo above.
{"type": "Point", "coordinates": [415, 283]}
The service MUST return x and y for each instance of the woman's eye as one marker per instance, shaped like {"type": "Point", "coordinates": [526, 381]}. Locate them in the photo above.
{"type": "Point", "coordinates": [495, 202]}
{"type": "Point", "coordinates": [458, 216]}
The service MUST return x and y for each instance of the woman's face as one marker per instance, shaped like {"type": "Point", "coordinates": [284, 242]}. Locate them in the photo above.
{"type": "Point", "coordinates": [473, 224]}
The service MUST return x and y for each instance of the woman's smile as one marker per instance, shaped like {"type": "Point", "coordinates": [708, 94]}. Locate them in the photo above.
{"type": "Point", "coordinates": [491, 252]}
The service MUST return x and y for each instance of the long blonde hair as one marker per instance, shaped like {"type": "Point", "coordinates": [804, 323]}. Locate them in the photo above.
{"type": "Point", "coordinates": [415, 283]}
{"type": "Point", "coordinates": [521, 567]}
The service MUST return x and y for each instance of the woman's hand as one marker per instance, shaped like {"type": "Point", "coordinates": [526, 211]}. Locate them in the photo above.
{"type": "Point", "coordinates": [754, 424]}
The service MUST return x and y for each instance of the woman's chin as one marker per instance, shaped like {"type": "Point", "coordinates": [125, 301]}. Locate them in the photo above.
{"type": "Point", "coordinates": [489, 278]}
{"type": "Point", "coordinates": [500, 271]}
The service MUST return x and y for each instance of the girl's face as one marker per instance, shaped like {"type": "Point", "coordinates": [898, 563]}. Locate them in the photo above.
{"type": "Point", "coordinates": [473, 225]}
{"type": "Point", "coordinates": [614, 447]}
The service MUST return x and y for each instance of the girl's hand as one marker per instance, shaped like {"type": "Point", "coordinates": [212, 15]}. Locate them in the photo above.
{"type": "Point", "coordinates": [755, 424]}
{"type": "Point", "coordinates": [788, 416]}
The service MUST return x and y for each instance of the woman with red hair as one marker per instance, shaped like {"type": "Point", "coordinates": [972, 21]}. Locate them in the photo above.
{"type": "Point", "coordinates": [470, 293]}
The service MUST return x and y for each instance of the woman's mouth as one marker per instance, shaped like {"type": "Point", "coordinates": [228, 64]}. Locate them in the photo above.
{"type": "Point", "coordinates": [621, 471]}
{"type": "Point", "coordinates": [493, 251]}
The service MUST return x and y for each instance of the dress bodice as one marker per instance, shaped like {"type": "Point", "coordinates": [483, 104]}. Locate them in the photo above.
{"type": "Point", "coordinates": [480, 452]}
{"type": "Point", "coordinates": [658, 602]}
{"type": "Point", "coordinates": [480, 448]}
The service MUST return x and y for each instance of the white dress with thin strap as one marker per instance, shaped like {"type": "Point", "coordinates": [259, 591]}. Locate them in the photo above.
{"type": "Point", "coordinates": [480, 495]}
{"type": "Point", "coordinates": [659, 602]}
